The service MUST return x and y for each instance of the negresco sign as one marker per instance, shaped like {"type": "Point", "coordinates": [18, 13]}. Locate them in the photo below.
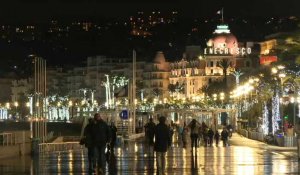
{"type": "Point", "coordinates": [226, 51]}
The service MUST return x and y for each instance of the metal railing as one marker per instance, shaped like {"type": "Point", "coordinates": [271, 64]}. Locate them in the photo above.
{"type": "Point", "coordinates": [59, 147]}
{"type": "Point", "coordinates": [256, 136]}
{"type": "Point", "coordinates": [7, 139]}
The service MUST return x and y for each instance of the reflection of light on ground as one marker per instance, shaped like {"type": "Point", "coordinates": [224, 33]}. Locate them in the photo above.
{"type": "Point", "coordinates": [280, 166]}
{"type": "Point", "coordinates": [59, 164]}
{"type": "Point", "coordinates": [220, 160]}
{"type": "Point", "coordinates": [82, 161]}
{"type": "Point", "coordinates": [135, 148]}
{"type": "Point", "coordinates": [70, 164]}
{"type": "Point", "coordinates": [245, 158]}
{"type": "Point", "coordinates": [184, 155]}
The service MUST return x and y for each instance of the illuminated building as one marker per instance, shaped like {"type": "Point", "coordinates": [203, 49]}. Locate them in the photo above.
{"type": "Point", "coordinates": [222, 49]}
{"type": "Point", "coordinates": [156, 77]}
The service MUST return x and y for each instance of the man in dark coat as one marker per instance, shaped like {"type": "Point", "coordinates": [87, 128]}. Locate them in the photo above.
{"type": "Point", "coordinates": [162, 137]}
{"type": "Point", "coordinates": [224, 136]}
{"type": "Point", "coordinates": [210, 134]}
{"type": "Point", "coordinates": [149, 131]}
{"type": "Point", "coordinates": [101, 136]}
{"type": "Point", "coordinates": [88, 132]}
{"type": "Point", "coordinates": [113, 130]}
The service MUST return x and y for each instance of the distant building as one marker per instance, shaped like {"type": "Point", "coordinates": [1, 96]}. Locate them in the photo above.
{"type": "Point", "coordinates": [97, 67]}
{"type": "Point", "coordinates": [156, 77]}
{"type": "Point", "coordinates": [20, 90]}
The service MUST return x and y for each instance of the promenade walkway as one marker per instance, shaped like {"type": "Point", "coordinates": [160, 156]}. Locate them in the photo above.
{"type": "Point", "coordinates": [242, 157]}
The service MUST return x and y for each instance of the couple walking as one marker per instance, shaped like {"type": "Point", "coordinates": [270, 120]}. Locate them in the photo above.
{"type": "Point", "coordinates": [98, 135]}
{"type": "Point", "coordinates": [162, 136]}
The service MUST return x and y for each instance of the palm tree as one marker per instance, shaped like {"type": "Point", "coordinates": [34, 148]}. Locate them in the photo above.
{"type": "Point", "coordinates": [224, 64]}
{"type": "Point", "coordinates": [172, 88]}
{"type": "Point", "coordinates": [157, 92]}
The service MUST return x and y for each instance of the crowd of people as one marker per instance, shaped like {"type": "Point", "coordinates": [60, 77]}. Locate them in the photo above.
{"type": "Point", "coordinates": [99, 136]}
{"type": "Point", "coordinates": [160, 136]}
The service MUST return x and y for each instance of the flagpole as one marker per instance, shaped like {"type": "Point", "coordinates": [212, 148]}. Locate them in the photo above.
{"type": "Point", "coordinates": [222, 16]}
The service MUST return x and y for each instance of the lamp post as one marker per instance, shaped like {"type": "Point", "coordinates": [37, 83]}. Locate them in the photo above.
{"type": "Point", "coordinates": [281, 76]}
{"type": "Point", "coordinates": [16, 104]}
{"type": "Point", "coordinates": [7, 105]}
{"type": "Point", "coordinates": [71, 106]}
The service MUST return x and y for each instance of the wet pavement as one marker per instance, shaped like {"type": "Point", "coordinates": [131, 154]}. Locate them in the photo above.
{"type": "Point", "coordinates": [242, 157]}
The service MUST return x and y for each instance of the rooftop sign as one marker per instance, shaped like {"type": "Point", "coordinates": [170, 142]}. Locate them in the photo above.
{"type": "Point", "coordinates": [227, 51]}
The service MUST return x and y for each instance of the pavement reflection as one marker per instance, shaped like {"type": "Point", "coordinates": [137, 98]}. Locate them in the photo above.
{"type": "Point", "coordinates": [134, 157]}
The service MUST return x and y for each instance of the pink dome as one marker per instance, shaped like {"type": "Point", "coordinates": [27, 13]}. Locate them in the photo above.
{"type": "Point", "coordinates": [224, 40]}
{"type": "Point", "coordinates": [159, 58]}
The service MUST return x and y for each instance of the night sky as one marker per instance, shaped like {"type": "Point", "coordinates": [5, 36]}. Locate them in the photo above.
{"type": "Point", "coordinates": [64, 50]}
{"type": "Point", "coordinates": [15, 10]}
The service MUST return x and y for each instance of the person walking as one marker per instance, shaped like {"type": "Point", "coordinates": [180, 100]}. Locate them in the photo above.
{"type": "Point", "coordinates": [224, 136]}
{"type": "Point", "coordinates": [194, 126]}
{"type": "Point", "coordinates": [162, 138]}
{"type": "Point", "coordinates": [210, 134]}
{"type": "Point", "coordinates": [184, 136]}
{"type": "Point", "coordinates": [217, 137]}
{"type": "Point", "coordinates": [149, 131]}
{"type": "Point", "coordinates": [88, 132]}
{"type": "Point", "coordinates": [113, 130]}
{"type": "Point", "coordinates": [171, 132]}
{"type": "Point", "coordinates": [101, 137]}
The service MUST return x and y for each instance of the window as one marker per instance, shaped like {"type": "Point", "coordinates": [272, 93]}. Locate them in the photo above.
{"type": "Point", "coordinates": [211, 71]}
{"type": "Point", "coordinates": [211, 64]}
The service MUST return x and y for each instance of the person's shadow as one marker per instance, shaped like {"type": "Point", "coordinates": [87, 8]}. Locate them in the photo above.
{"type": "Point", "coordinates": [194, 163]}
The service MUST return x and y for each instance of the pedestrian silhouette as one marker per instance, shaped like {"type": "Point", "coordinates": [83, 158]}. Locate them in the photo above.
{"type": "Point", "coordinates": [101, 137]}
{"type": "Point", "coordinates": [162, 138]}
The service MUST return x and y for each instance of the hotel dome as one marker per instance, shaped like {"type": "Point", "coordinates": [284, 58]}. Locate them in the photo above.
{"type": "Point", "coordinates": [222, 38]}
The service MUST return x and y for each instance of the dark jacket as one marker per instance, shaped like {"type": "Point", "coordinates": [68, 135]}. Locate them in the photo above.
{"type": "Point", "coordinates": [224, 135]}
{"type": "Point", "coordinates": [162, 137]}
{"type": "Point", "coordinates": [101, 133]}
{"type": "Point", "coordinates": [113, 130]}
{"type": "Point", "coordinates": [149, 129]}
{"type": "Point", "coordinates": [88, 135]}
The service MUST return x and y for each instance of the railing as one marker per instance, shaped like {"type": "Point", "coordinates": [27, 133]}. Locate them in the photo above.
{"type": "Point", "coordinates": [7, 139]}
{"type": "Point", "coordinates": [58, 147]}
{"type": "Point", "coordinates": [284, 141]}
{"type": "Point", "coordinates": [243, 132]}
{"type": "Point", "coordinates": [71, 138]}
{"type": "Point", "coordinates": [256, 136]}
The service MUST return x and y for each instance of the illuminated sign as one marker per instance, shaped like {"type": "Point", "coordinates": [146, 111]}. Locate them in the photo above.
{"type": "Point", "coordinates": [267, 59]}
{"type": "Point", "coordinates": [227, 51]}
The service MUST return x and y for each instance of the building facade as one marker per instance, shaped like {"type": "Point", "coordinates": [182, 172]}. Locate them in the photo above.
{"type": "Point", "coordinates": [156, 77]}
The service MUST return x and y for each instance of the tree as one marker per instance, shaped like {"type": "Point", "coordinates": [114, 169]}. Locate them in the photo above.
{"type": "Point", "coordinates": [157, 92]}
{"type": "Point", "coordinates": [224, 64]}
{"type": "Point", "coordinates": [215, 87]}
